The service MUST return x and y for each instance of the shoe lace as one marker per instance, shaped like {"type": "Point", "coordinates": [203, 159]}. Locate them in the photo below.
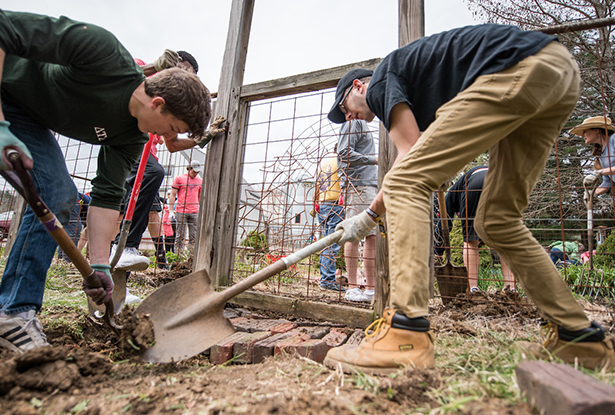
{"type": "Point", "coordinates": [548, 333]}
{"type": "Point", "coordinates": [374, 328]}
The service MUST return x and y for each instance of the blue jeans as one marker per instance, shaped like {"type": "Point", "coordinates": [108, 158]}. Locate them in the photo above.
{"type": "Point", "coordinates": [330, 215]}
{"type": "Point", "coordinates": [23, 281]}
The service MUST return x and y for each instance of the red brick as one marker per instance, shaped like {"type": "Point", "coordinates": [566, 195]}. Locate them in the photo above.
{"type": "Point", "coordinates": [264, 348]}
{"type": "Point", "coordinates": [315, 349]}
{"type": "Point", "coordinates": [243, 350]}
{"type": "Point", "coordinates": [223, 352]}
{"type": "Point", "coordinates": [266, 325]}
{"type": "Point", "coordinates": [335, 338]}
{"type": "Point", "coordinates": [241, 324]}
{"type": "Point", "coordinates": [317, 332]}
{"type": "Point", "coordinates": [282, 328]}
{"type": "Point", "coordinates": [285, 345]}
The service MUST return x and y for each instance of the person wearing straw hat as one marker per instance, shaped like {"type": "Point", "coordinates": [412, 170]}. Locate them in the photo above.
{"type": "Point", "coordinates": [599, 132]}
{"type": "Point", "coordinates": [446, 99]}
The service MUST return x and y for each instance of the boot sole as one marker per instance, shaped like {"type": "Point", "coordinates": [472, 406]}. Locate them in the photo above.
{"type": "Point", "coordinates": [352, 369]}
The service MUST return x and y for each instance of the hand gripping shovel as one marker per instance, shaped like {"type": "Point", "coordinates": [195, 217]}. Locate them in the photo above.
{"type": "Point", "coordinates": [187, 314]}
{"type": "Point", "coordinates": [119, 275]}
{"type": "Point", "coordinates": [452, 280]}
{"type": "Point", "coordinates": [21, 180]}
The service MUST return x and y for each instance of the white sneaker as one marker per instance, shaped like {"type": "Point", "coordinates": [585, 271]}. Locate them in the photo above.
{"type": "Point", "coordinates": [22, 332]}
{"type": "Point", "coordinates": [131, 260]}
{"type": "Point", "coordinates": [356, 295]}
{"type": "Point", "coordinates": [131, 298]}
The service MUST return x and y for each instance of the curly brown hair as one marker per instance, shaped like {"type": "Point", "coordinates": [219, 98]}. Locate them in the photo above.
{"type": "Point", "coordinates": [185, 96]}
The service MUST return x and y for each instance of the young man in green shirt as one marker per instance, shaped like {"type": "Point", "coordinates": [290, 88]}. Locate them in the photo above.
{"type": "Point", "coordinates": [78, 80]}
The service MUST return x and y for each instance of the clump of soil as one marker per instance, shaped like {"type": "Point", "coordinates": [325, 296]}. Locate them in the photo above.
{"type": "Point", "coordinates": [496, 304]}
{"type": "Point", "coordinates": [52, 368]}
{"type": "Point", "coordinates": [137, 334]}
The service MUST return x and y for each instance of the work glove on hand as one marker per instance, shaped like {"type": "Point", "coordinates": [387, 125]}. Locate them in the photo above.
{"type": "Point", "coordinates": [100, 293]}
{"type": "Point", "coordinates": [8, 140]}
{"type": "Point", "coordinates": [214, 128]}
{"type": "Point", "coordinates": [593, 179]}
{"type": "Point", "coordinates": [169, 59]}
{"type": "Point", "coordinates": [355, 228]}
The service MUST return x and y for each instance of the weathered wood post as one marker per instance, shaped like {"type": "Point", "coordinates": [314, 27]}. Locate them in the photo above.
{"type": "Point", "coordinates": [411, 23]}
{"type": "Point", "coordinates": [218, 206]}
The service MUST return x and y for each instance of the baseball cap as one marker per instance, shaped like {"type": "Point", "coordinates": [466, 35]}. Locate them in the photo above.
{"type": "Point", "coordinates": [195, 165]}
{"type": "Point", "coordinates": [335, 113]}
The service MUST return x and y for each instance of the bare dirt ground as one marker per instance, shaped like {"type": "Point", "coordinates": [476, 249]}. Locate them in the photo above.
{"type": "Point", "coordinates": [89, 369]}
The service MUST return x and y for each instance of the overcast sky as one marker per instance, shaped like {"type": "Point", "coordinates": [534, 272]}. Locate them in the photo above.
{"type": "Point", "coordinates": [288, 37]}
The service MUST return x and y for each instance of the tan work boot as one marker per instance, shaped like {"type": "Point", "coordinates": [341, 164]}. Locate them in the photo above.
{"type": "Point", "coordinates": [589, 354]}
{"type": "Point", "coordinates": [385, 349]}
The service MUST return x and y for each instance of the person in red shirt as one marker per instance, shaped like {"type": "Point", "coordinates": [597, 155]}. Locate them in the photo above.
{"type": "Point", "coordinates": [186, 191]}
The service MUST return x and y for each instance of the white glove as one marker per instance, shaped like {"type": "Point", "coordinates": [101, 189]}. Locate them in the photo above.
{"type": "Point", "coordinates": [172, 216]}
{"type": "Point", "coordinates": [592, 179]}
{"type": "Point", "coordinates": [169, 59]}
{"type": "Point", "coordinates": [356, 228]}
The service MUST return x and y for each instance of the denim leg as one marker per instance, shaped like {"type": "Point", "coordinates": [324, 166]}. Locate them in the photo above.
{"type": "Point", "coordinates": [23, 281]}
{"type": "Point", "coordinates": [192, 219]}
{"type": "Point", "coordinates": [330, 215]}
{"type": "Point", "coordinates": [180, 235]}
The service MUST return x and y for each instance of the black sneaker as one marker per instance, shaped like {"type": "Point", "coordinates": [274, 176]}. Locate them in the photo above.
{"type": "Point", "coordinates": [331, 285]}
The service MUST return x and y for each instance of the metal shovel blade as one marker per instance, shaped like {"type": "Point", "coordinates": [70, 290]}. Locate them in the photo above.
{"type": "Point", "coordinates": [187, 314]}
{"type": "Point", "coordinates": [187, 295]}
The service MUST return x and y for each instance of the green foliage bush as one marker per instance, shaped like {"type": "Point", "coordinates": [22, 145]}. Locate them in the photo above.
{"type": "Point", "coordinates": [257, 241]}
{"type": "Point", "coordinates": [457, 245]}
{"type": "Point", "coordinates": [605, 254]}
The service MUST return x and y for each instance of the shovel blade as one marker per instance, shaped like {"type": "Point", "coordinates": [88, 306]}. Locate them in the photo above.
{"type": "Point", "coordinates": [189, 295]}
{"type": "Point", "coordinates": [452, 281]}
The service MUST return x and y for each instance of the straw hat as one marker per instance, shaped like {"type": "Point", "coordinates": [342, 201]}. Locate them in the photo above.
{"type": "Point", "coordinates": [594, 122]}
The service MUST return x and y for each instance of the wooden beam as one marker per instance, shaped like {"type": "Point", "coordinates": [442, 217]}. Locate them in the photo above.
{"type": "Point", "coordinates": [311, 81]}
{"type": "Point", "coordinates": [215, 184]}
{"type": "Point", "coordinates": [19, 209]}
{"type": "Point", "coordinates": [349, 316]}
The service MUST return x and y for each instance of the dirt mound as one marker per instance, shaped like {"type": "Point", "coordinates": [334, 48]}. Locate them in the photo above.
{"type": "Point", "coordinates": [495, 304]}
{"type": "Point", "coordinates": [52, 368]}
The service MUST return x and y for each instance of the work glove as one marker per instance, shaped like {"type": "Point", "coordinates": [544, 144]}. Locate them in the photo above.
{"type": "Point", "coordinates": [100, 293]}
{"type": "Point", "coordinates": [8, 141]}
{"type": "Point", "coordinates": [214, 128]}
{"type": "Point", "coordinates": [355, 228]}
{"type": "Point", "coordinates": [172, 216]}
{"type": "Point", "coordinates": [169, 59]}
{"type": "Point", "coordinates": [593, 179]}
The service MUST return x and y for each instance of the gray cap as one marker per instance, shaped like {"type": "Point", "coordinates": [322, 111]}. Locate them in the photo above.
{"type": "Point", "coordinates": [196, 166]}
{"type": "Point", "coordinates": [335, 113]}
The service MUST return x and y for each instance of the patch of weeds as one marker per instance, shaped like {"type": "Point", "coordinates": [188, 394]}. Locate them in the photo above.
{"type": "Point", "coordinates": [365, 382]}
{"type": "Point", "coordinates": [71, 326]}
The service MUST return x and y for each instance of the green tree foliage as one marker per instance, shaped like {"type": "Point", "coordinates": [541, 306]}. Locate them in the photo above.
{"type": "Point", "coordinates": [605, 253]}
{"type": "Point", "coordinates": [457, 247]}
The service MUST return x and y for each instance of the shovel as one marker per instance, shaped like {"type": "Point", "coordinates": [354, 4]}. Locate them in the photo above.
{"type": "Point", "coordinates": [21, 180]}
{"type": "Point", "coordinates": [452, 280]}
{"type": "Point", "coordinates": [119, 275]}
{"type": "Point", "coordinates": [187, 315]}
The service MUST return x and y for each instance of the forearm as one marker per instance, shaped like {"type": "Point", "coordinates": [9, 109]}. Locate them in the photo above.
{"type": "Point", "coordinates": [101, 229]}
{"type": "Point", "coordinates": [179, 144]}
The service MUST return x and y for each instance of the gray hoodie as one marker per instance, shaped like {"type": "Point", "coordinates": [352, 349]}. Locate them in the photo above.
{"type": "Point", "coordinates": [357, 155]}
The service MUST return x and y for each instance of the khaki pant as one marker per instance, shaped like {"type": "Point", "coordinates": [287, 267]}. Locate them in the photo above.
{"type": "Point", "coordinates": [517, 115]}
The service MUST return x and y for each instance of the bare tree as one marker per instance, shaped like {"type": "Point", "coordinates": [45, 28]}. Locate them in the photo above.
{"type": "Point", "coordinates": [559, 194]}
